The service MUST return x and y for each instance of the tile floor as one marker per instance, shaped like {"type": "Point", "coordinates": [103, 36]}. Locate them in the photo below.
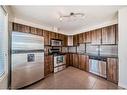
{"type": "Point", "coordinates": [73, 78]}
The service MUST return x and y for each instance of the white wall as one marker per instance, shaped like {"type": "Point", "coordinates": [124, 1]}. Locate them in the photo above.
{"type": "Point", "coordinates": [4, 78]}
{"type": "Point", "coordinates": [122, 47]}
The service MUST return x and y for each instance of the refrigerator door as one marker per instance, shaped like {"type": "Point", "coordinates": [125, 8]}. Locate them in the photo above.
{"type": "Point", "coordinates": [27, 59]}
{"type": "Point", "coordinates": [25, 41]}
{"type": "Point", "coordinates": [26, 69]}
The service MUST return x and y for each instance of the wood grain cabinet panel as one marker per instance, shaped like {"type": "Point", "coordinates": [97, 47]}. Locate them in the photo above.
{"type": "Point", "coordinates": [88, 37]}
{"type": "Point", "coordinates": [46, 38]}
{"type": "Point", "coordinates": [109, 35]}
{"type": "Point", "coordinates": [48, 65]}
{"type": "Point", "coordinates": [82, 62]}
{"type": "Point", "coordinates": [67, 60]}
{"type": "Point", "coordinates": [80, 38]}
{"type": "Point", "coordinates": [52, 35]}
{"type": "Point", "coordinates": [75, 60]}
{"type": "Point", "coordinates": [33, 30]}
{"type": "Point", "coordinates": [39, 32]}
{"type": "Point", "coordinates": [112, 70]}
{"type": "Point", "coordinates": [71, 59]}
{"type": "Point", "coordinates": [96, 36]}
{"type": "Point", "coordinates": [75, 40]}
{"type": "Point", "coordinates": [21, 28]}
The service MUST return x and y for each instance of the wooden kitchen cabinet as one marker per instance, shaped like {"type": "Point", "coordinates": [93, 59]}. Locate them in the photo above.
{"type": "Point", "coordinates": [112, 70]}
{"type": "Point", "coordinates": [48, 65]}
{"type": "Point", "coordinates": [80, 38]}
{"type": "Point", "coordinates": [96, 36]}
{"type": "Point", "coordinates": [65, 40]}
{"type": "Point", "coordinates": [46, 38]}
{"type": "Point", "coordinates": [52, 35]}
{"type": "Point", "coordinates": [21, 28]}
{"type": "Point", "coordinates": [75, 40]}
{"type": "Point", "coordinates": [33, 30]}
{"type": "Point", "coordinates": [88, 37]}
{"type": "Point", "coordinates": [70, 41]}
{"type": "Point", "coordinates": [109, 35]}
{"type": "Point", "coordinates": [39, 32]}
{"type": "Point", "coordinates": [84, 62]}
{"type": "Point", "coordinates": [71, 59]}
{"type": "Point", "coordinates": [67, 59]}
{"type": "Point", "coordinates": [75, 60]}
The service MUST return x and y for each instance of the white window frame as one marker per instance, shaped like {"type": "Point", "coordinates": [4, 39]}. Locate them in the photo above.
{"type": "Point", "coordinates": [5, 45]}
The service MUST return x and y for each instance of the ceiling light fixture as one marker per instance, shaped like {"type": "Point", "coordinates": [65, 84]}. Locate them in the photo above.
{"type": "Point", "coordinates": [71, 15]}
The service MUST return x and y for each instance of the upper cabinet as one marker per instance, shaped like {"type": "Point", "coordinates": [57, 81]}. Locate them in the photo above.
{"type": "Point", "coordinates": [96, 36]}
{"type": "Point", "coordinates": [21, 28]}
{"type": "Point", "coordinates": [46, 37]}
{"type": "Point", "coordinates": [87, 37]}
{"type": "Point", "coordinates": [109, 35]}
{"type": "Point", "coordinates": [70, 41]}
{"type": "Point", "coordinates": [75, 40]}
{"type": "Point", "coordinates": [81, 38]}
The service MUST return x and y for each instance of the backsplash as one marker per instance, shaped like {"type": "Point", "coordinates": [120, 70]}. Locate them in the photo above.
{"type": "Point", "coordinates": [109, 50]}
{"type": "Point", "coordinates": [92, 49]}
{"type": "Point", "coordinates": [102, 50]}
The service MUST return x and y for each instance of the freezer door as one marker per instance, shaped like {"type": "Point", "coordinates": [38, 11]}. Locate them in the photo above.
{"type": "Point", "coordinates": [25, 41]}
{"type": "Point", "coordinates": [27, 68]}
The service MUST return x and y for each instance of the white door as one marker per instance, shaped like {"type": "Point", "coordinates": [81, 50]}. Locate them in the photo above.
{"type": "Point", "coordinates": [3, 48]}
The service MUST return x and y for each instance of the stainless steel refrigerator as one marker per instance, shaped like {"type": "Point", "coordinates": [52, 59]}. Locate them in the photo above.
{"type": "Point", "coordinates": [27, 59]}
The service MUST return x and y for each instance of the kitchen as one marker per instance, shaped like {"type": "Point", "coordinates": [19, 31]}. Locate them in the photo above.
{"type": "Point", "coordinates": [89, 56]}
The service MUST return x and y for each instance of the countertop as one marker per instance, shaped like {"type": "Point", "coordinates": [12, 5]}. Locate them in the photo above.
{"type": "Point", "coordinates": [89, 54]}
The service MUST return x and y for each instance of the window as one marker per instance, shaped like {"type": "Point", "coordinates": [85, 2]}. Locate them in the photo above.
{"type": "Point", "coordinates": [2, 40]}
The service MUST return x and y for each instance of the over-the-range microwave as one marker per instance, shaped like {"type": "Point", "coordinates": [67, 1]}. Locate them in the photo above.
{"type": "Point", "coordinates": [55, 42]}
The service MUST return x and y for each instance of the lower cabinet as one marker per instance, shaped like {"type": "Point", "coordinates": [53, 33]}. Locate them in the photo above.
{"type": "Point", "coordinates": [83, 62]}
{"type": "Point", "coordinates": [112, 70]}
{"type": "Point", "coordinates": [71, 59]}
{"type": "Point", "coordinates": [75, 60]}
{"type": "Point", "coordinates": [48, 65]}
{"type": "Point", "coordinates": [67, 60]}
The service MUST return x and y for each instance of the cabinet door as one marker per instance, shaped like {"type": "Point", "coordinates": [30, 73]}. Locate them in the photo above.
{"type": "Point", "coordinates": [33, 30]}
{"type": "Point", "coordinates": [80, 38]}
{"type": "Point", "coordinates": [112, 71]}
{"type": "Point", "coordinates": [88, 37]}
{"type": "Point", "coordinates": [109, 35]}
{"type": "Point", "coordinates": [46, 38]}
{"type": "Point", "coordinates": [56, 36]}
{"type": "Point", "coordinates": [48, 65]}
{"type": "Point", "coordinates": [82, 62]}
{"type": "Point", "coordinates": [67, 60]}
{"type": "Point", "coordinates": [87, 63]}
{"type": "Point", "coordinates": [39, 32]}
{"type": "Point", "coordinates": [96, 36]}
{"type": "Point", "coordinates": [75, 40]}
{"type": "Point", "coordinates": [52, 35]}
{"type": "Point", "coordinates": [75, 60]}
{"type": "Point", "coordinates": [70, 40]}
{"type": "Point", "coordinates": [71, 59]}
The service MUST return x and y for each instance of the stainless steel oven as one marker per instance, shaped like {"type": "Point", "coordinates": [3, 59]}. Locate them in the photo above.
{"type": "Point", "coordinates": [59, 63]}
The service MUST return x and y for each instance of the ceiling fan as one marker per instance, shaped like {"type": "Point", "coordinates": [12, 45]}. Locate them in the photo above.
{"type": "Point", "coordinates": [71, 15]}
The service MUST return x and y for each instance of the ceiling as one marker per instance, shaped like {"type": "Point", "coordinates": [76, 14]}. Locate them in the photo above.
{"type": "Point", "coordinates": [49, 16]}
